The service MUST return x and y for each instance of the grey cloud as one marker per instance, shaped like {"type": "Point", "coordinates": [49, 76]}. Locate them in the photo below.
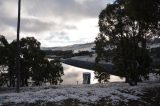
{"type": "Point", "coordinates": [63, 37]}
{"type": "Point", "coordinates": [27, 25]}
{"type": "Point", "coordinates": [65, 8]}
{"type": "Point", "coordinates": [80, 41]}
{"type": "Point", "coordinates": [32, 25]}
{"type": "Point", "coordinates": [35, 25]}
{"type": "Point", "coordinates": [70, 27]}
{"type": "Point", "coordinates": [8, 22]}
{"type": "Point", "coordinates": [60, 35]}
{"type": "Point", "coordinates": [8, 8]}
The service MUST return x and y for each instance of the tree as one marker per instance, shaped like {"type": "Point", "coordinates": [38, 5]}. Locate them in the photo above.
{"type": "Point", "coordinates": [3, 50]}
{"type": "Point", "coordinates": [55, 71]}
{"type": "Point", "coordinates": [29, 50]}
{"type": "Point", "coordinates": [100, 47]}
{"type": "Point", "coordinates": [12, 64]}
{"type": "Point", "coordinates": [127, 37]}
{"type": "Point", "coordinates": [39, 71]}
{"type": "Point", "coordinates": [33, 63]}
{"type": "Point", "coordinates": [30, 54]}
{"type": "Point", "coordinates": [143, 10]}
{"type": "Point", "coordinates": [3, 60]}
{"type": "Point", "coordinates": [100, 74]}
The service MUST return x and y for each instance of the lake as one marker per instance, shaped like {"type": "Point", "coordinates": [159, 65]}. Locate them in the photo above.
{"type": "Point", "coordinates": [73, 75]}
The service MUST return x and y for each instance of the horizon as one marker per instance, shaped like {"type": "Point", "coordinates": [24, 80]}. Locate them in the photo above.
{"type": "Point", "coordinates": [68, 45]}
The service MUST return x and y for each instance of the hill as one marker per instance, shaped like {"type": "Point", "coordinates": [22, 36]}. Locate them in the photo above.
{"type": "Point", "coordinates": [75, 47]}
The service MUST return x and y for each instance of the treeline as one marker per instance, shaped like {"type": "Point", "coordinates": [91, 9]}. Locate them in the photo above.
{"type": "Point", "coordinates": [60, 53]}
{"type": "Point", "coordinates": [66, 54]}
{"type": "Point", "coordinates": [83, 53]}
{"type": "Point", "coordinates": [33, 64]}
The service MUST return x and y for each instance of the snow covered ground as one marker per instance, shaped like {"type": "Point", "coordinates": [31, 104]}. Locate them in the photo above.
{"type": "Point", "coordinates": [84, 93]}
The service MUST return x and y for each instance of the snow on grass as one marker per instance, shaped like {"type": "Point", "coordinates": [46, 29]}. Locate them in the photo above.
{"type": "Point", "coordinates": [154, 77]}
{"type": "Point", "coordinates": [154, 45]}
{"type": "Point", "coordinates": [84, 93]}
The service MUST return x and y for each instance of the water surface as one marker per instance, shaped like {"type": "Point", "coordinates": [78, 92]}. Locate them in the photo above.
{"type": "Point", "coordinates": [74, 75]}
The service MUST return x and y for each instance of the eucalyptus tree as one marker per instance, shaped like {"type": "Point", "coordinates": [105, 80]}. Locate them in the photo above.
{"type": "Point", "coordinates": [127, 36]}
{"type": "Point", "coordinates": [33, 62]}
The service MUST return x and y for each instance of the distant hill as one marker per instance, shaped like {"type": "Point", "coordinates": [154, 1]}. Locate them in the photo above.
{"type": "Point", "coordinates": [75, 47]}
{"type": "Point", "coordinates": [89, 46]}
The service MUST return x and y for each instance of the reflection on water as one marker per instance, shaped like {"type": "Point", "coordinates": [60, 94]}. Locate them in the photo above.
{"type": "Point", "coordinates": [72, 75]}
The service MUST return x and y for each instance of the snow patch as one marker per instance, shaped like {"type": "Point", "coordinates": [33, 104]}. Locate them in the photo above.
{"type": "Point", "coordinates": [84, 93]}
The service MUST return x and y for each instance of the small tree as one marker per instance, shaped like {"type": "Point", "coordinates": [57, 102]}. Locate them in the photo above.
{"type": "Point", "coordinates": [3, 60]}
{"type": "Point", "coordinates": [33, 63]}
{"type": "Point", "coordinates": [100, 73]}
{"type": "Point", "coordinates": [55, 71]}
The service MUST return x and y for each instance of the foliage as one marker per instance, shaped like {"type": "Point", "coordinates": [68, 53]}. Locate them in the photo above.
{"type": "Point", "coordinates": [54, 77]}
{"type": "Point", "coordinates": [83, 53]}
{"type": "Point", "coordinates": [126, 32]}
{"type": "Point", "coordinates": [3, 59]}
{"type": "Point", "coordinates": [3, 50]}
{"type": "Point", "coordinates": [143, 10]}
{"type": "Point", "coordinates": [100, 74]}
{"type": "Point", "coordinates": [33, 63]}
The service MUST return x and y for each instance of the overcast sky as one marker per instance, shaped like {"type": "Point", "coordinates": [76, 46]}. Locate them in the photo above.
{"type": "Point", "coordinates": [53, 22]}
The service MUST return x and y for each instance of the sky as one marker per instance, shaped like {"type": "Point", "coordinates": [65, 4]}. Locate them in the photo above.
{"type": "Point", "coordinates": [52, 22]}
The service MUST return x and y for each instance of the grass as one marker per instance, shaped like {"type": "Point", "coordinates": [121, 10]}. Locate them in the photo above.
{"type": "Point", "coordinates": [149, 97]}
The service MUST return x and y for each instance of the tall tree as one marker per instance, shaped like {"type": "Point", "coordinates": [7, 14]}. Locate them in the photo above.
{"type": "Point", "coordinates": [127, 36]}
{"type": "Point", "coordinates": [29, 50]}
